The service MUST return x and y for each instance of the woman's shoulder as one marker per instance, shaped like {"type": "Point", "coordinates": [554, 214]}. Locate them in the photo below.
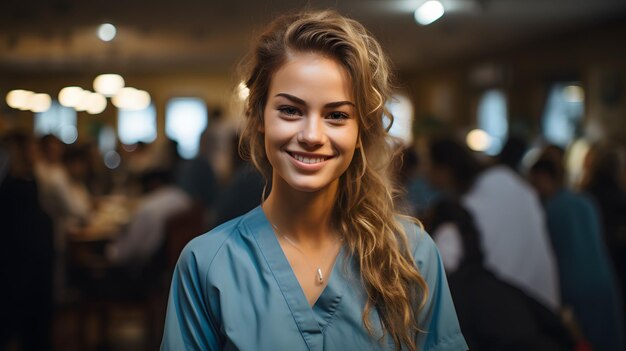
{"type": "Point", "coordinates": [203, 249]}
{"type": "Point", "coordinates": [420, 243]}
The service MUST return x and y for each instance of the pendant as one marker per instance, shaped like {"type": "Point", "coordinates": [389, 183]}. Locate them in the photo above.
{"type": "Point", "coordinates": [320, 276]}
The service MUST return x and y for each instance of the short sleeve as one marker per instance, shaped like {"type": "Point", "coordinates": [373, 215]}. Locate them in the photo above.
{"type": "Point", "coordinates": [438, 317]}
{"type": "Point", "coordinates": [189, 324]}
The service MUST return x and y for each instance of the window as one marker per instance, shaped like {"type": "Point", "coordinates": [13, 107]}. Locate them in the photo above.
{"type": "Point", "coordinates": [137, 125]}
{"type": "Point", "coordinates": [185, 120]}
{"type": "Point", "coordinates": [563, 114]}
{"type": "Point", "coordinates": [401, 109]}
{"type": "Point", "coordinates": [59, 121]}
{"type": "Point", "coordinates": [492, 118]}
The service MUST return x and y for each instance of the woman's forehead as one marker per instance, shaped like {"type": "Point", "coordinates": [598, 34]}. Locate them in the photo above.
{"type": "Point", "coordinates": [312, 76]}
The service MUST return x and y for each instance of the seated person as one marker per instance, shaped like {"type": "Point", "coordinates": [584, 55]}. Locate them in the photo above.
{"type": "Point", "coordinates": [141, 241]}
{"type": "Point", "coordinates": [508, 214]}
{"type": "Point", "coordinates": [493, 314]}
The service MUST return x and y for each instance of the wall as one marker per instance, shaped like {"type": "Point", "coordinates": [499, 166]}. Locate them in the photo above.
{"type": "Point", "coordinates": [594, 56]}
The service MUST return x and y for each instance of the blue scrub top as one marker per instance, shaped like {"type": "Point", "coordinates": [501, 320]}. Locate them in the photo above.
{"type": "Point", "coordinates": [233, 289]}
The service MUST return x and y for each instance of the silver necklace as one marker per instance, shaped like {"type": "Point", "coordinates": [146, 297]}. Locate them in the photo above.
{"type": "Point", "coordinates": [320, 275]}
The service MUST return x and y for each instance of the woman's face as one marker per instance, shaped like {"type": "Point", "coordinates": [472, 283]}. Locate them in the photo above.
{"type": "Point", "coordinates": [310, 122]}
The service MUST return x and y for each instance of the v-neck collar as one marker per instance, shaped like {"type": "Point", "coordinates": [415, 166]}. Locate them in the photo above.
{"type": "Point", "coordinates": [311, 320]}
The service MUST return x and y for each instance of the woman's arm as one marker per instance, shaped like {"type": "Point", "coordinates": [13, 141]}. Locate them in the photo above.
{"type": "Point", "coordinates": [438, 318]}
{"type": "Point", "coordinates": [189, 323]}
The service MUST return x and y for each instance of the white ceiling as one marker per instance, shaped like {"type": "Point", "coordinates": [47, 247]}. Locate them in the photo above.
{"type": "Point", "coordinates": [59, 35]}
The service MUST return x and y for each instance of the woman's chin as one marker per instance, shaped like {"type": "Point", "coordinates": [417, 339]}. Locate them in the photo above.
{"type": "Point", "coordinates": [310, 186]}
{"type": "Point", "coordinates": [307, 188]}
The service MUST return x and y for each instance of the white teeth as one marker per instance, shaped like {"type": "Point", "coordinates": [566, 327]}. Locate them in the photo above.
{"type": "Point", "coordinates": [308, 160]}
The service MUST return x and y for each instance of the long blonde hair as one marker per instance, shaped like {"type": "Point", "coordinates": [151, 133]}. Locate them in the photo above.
{"type": "Point", "coordinates": [364, 213]}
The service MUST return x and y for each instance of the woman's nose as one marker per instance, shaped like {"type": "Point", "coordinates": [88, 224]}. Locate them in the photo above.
{"type": "Point", "coordinates": [312, 132]}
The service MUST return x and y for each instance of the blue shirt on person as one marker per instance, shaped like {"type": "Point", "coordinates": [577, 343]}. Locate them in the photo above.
{"type": "Point", "coordinates": [233, 289]}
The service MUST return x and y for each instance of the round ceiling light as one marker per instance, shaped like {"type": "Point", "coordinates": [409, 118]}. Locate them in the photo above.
{"type": "Point", "coordinates": [39, 102]}
{"type": "Point", "coordinates": [19, 98]}
{"type": "Point", "coordinates": [108, 84]}
{"type": "Point", "coordinates": [429, 12]}
{"type": "Point", "coordinates": [71, 96]}
{"type": "Point", "coordinates": [107, 32]}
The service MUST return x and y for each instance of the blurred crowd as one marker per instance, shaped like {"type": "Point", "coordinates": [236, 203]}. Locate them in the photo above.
{"type": "Point", "coordinates": [535, 257]}
{"type": "Point", "coordinates": [534, 251]}
{"type": "Point", "coordinates": [60, 251]}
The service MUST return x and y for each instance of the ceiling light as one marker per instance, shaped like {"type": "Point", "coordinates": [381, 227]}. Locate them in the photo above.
{"type": "Point", "coordinates": [18, 98]}
{"type": "Point", "coordinates": [71, 96]}
{"type": "Point", "coordinates": [39, 102]}
{"type": "Point", "coordinates": [84, 101]}
{"type": "Point", "coordinates": [429, 12]}
{"type": "Point", "coordinates": [478, 140]}
{"type": "Point", "coordinates": [129, 98]}
{"type": "Point", "coordinates": [124, 98]}
{"type": "Point", "coordinates": [93, 103]}
{"type": "Point", "coordinates": [142, 100]}
{"type": "Point", "coordinates": [106, 32]}
{"type": "Point", "coordinates": [108, 84]}
{"type": "Point", "coordinates": [97, 103]}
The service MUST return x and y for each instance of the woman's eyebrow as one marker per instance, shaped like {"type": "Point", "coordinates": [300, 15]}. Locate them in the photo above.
{"type": "Point", "coordinates": [339, 103]}
{"type": "Point", "coordinates": [328, 105]}
{"type": "Point", "coordinates": [292, 98]}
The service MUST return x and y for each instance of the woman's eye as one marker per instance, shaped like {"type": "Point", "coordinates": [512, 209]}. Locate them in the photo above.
{"type": "Point", "coordinates": [288, 111]}
{"type": "Point", "coordinates": [338, 115]}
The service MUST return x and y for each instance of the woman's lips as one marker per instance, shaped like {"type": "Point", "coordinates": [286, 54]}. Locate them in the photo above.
{"type": "Point", "coordinates": [309, 159]}
{"type": "Point", "coordinates": [306, 161]}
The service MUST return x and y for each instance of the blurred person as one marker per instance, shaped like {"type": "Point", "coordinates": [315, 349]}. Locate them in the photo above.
{"type": "Point", "coordinates": [508, 215]}
{"type": "Point", "coordinates": [140, 158]}
{"type": "Point", "coordinates": [493, 314]}
{"type": "Point", "coordinates": [197, 177]}
{"type": "Point", "coordinates": [513, 152]}
{"type": "Point", "coordinates": [57, 190]}
{"type": "Point", "coordinates": [4, 162]}
{"type": "Point", "coordinates": [602, 181]}
{"type": "Point", "coordinates": [588, 284]}
{"type": "Point", "coordinates": [59, 175]}
{"type": "Point", "coordinates": [137, 159]}
{"type": "Point", "coordinates": [26, 251]}
{"type": "Point", "coordinates": [325, 262]}
{"type": "Point", "coordinates": [99, 178]}
{"type": "Point", "coordinates": [169, 157]}
{"type": "Point", "coordinates": [419, 193]}
{"type": "Point", "coordinates": [76, 163]}
{"type": "Point", "coordinates": [243, 193]}
{"type": "Point", "coordinates": [138, 244]}
{"type": "Point", "coordinates": [220, 131]}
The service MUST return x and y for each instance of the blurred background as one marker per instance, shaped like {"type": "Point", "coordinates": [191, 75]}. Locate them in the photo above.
{"type": "Point", "coordinates": [118, 133]}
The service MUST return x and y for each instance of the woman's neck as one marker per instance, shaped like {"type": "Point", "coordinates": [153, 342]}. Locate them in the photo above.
{"type": "Point", "coordinates": [304, 217]}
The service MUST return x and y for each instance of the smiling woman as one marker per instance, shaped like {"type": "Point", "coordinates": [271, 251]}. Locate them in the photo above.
{"type": "Point", "coordinates": [310, 125]}
{"type": "Point", "coordinates": [326, 263]}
